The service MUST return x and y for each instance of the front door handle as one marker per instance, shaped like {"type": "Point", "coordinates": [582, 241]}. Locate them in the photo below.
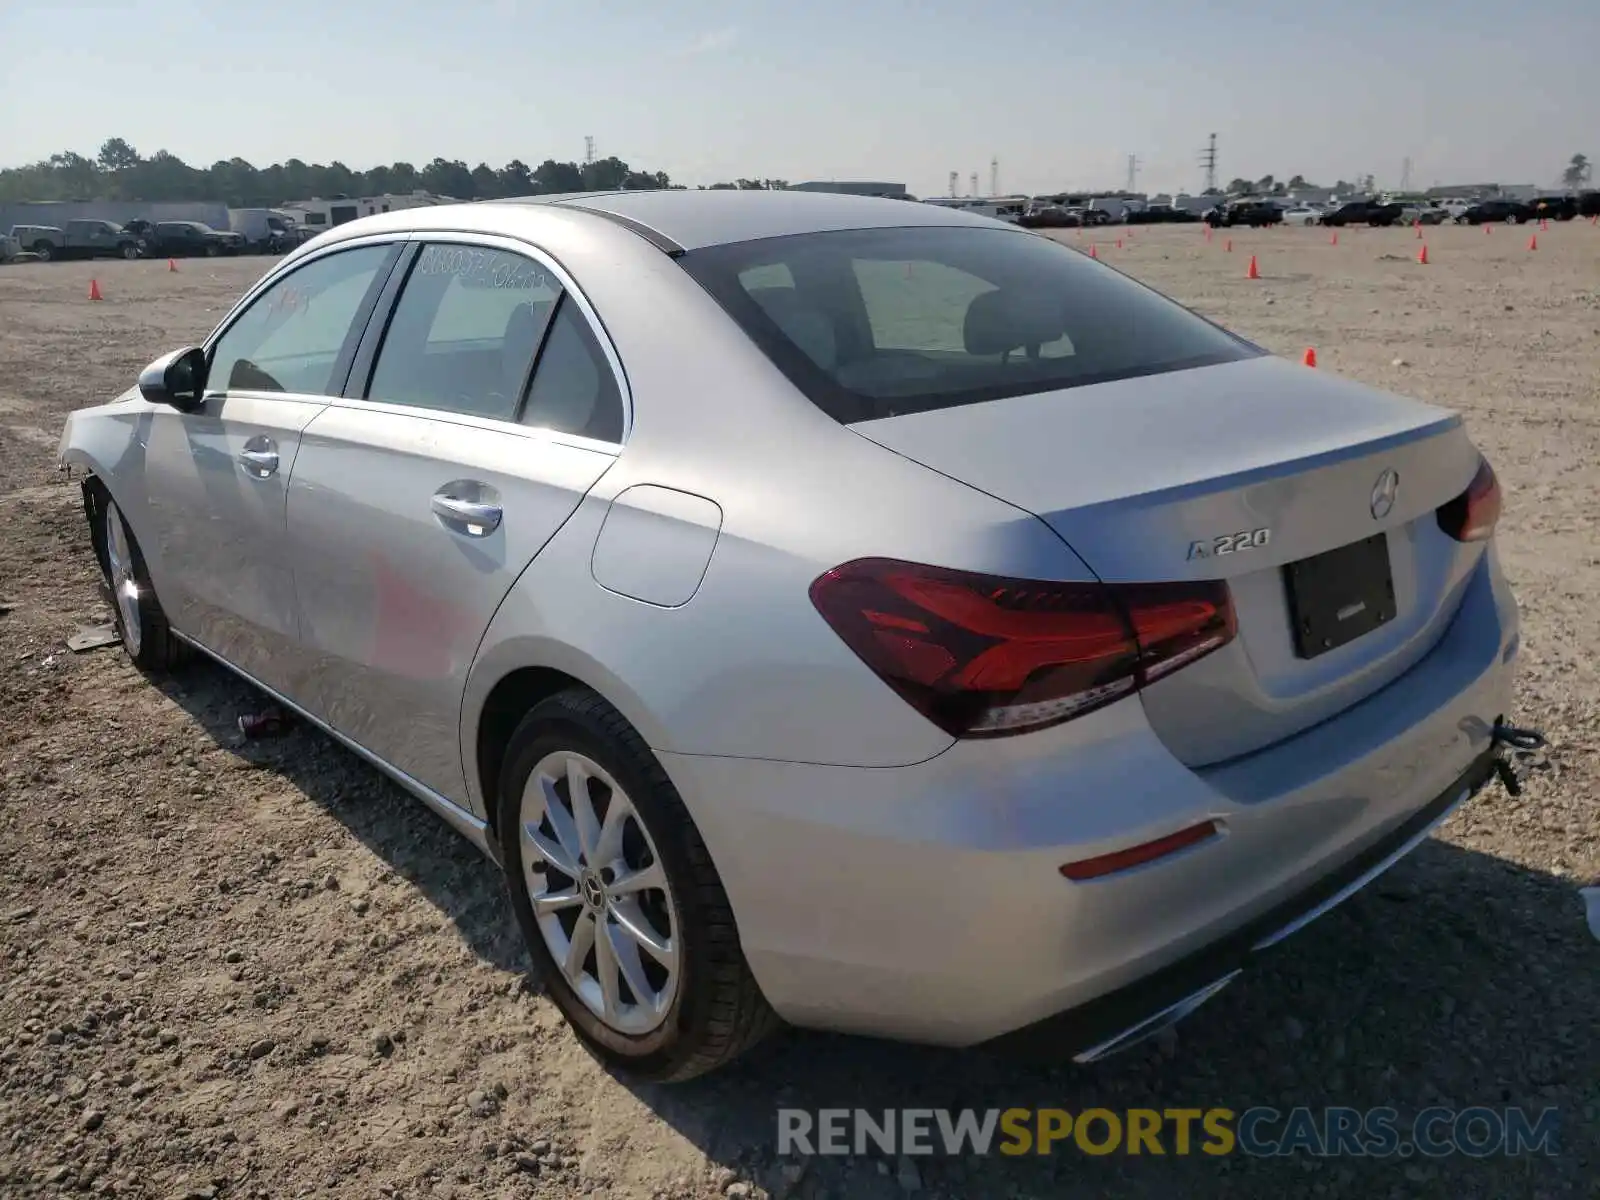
{"type": "Point", "coordinates": [468, 507]}
{"type": "Point", "coordinates": [260, 457]}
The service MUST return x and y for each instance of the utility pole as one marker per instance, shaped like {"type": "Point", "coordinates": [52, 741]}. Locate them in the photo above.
{"type": "Point", "coordinates": [588, 149]}
{"type": "Point", "coordinates": [974, 192]}
{"type": "Point", "coordinates": [1208, 160]}
{"type": "Point", "coordinates": [1405, 176]}
{"type": "Point", "coordinates": [1133, 171]}
{"type": "Point", "coordinates": [954, 176]}
{"type": "Point", "coordinates": [994, 176]}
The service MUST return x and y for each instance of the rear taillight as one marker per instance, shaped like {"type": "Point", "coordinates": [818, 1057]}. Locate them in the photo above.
{"type": "Point", "coordinates": [985, 656]}
{"type": "Point", "coordinates": [1472, 516]}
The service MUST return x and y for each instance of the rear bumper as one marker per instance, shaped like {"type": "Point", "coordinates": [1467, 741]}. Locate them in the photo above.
{"type": "Point", "coordinates": [926, 903]}
{"type": "Point", "coordinates": [1138, 1010]}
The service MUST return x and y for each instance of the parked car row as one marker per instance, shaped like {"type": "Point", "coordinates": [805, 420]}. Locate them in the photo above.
{"type": "Point", "coordinates": [1259, 212]}
{"type": "Point", "coordinates": [1541, 208]}
{"type": "Point", "coordinates": [140, 238]}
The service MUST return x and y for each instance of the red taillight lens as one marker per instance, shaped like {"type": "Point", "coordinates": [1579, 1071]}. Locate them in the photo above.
{"type": "Point", "coordinates": [1472, 516]}
{"type": "Point", "coordinates": [985, 655]}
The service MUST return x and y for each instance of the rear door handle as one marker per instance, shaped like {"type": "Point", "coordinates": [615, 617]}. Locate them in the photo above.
{"type": "Point", "coordinates": [260, 457]}
{"type": "Point", "coordinates": [468, 507]}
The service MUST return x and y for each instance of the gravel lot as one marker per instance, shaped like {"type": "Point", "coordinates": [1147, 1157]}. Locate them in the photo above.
{"type": "Point", "coordinates": [257, 969]}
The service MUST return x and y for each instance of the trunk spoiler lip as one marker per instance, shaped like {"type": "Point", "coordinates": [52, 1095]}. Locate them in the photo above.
{"type": "Point", "coordinates": [1443, 421]}
{"type": "Point", "coordinates": [1281, 467]}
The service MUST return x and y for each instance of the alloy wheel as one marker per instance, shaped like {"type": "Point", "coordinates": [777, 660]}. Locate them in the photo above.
{"type": "Point", "coordinates": [124, 584]}
{"type": "Point", "coordinates": [599, 892]}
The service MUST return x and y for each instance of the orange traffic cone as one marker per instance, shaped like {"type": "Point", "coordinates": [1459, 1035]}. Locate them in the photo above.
{"type": "Point", "coordinates": [1119, 243]}
{"type": "Point", "coordinates": [1422, 254]}
{"type": "Point", "coordinates": [1252, 273]}
{"type": "Point", "coordinates": [1417, 225]}
{"type": "Point", "coordinates": [1310, 358]}
{"type": "Point", "coordinates": [94, 290]}
{"type": "Point", "coordinates": [1533, 241]}
{"type": "Point", "coordinates": [1544, 226]}
{"type": "Point", "coordinates": [1486, 228]}
{"type": "Point", "coordinates": [1333, 239]}
{"type": "Point", "coordinates": [172, 265]}
{"type": "Point", "coordinates": [1092, 253]}
{"type": "Point", "coordinates": [1228, 245]}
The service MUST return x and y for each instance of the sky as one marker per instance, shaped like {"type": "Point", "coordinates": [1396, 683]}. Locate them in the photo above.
{"type": "Point", "coordinates": [906, 92]}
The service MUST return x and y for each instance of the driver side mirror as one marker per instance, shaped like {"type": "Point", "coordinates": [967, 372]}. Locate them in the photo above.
{"type": "Point", "coordinates": [178, 379]}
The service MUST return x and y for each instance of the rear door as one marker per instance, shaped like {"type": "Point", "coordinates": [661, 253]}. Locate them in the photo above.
{"type": "Point", "coordinates": [419, 498]}
{"type": "Point", "coordinates": [217, 477]}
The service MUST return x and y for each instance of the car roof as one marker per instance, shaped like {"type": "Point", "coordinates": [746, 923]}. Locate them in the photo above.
{"type": "Point", "coordinates": [690, 220]}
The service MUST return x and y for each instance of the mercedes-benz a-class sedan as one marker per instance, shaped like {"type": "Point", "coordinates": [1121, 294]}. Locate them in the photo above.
{"type": "Point", "coordinates": [834, 610]}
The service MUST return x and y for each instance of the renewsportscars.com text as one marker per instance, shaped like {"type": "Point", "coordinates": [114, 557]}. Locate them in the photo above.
{"type": "Point", "coordinates": [1477, 1132]}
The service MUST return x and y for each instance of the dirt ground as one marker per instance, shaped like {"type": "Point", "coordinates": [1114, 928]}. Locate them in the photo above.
{"type": "Point", "coordinates": [257, 969]}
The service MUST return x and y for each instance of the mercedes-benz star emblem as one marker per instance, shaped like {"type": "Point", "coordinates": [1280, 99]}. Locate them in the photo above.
{"type": "Point", "coordinates": [1384, 493]}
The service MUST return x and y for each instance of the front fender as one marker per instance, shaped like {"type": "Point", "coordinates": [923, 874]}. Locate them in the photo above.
{"type": "Point", "coordinates": [109, 442]}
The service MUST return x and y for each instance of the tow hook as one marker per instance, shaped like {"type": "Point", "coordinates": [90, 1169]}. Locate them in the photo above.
{"type": "Point", "coordinates": [1518, 739]}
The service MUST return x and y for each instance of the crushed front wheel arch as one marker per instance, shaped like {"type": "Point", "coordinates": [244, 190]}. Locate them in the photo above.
{"type": "Point", "coordinates": [95, 497]}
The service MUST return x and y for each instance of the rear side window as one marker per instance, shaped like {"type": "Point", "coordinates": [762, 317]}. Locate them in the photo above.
{"type": "Point", "coordinates": [879, 322]}
{"type": "Point", "coordinates": [465, 331]}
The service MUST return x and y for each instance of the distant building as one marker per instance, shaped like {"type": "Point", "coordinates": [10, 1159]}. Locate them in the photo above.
{"type": "Point", "coordinates": [893, 191]}
{"type": "Point", "coordinates": [323, 214]}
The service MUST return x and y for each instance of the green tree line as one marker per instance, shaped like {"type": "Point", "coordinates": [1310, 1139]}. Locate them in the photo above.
{"type": "Point", "coordinates": [120, 172]}
{"type": "Point", "coordinates": [1267, 185]}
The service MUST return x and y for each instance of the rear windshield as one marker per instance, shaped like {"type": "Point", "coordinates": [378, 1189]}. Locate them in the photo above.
{"type": "Point", "coordinates": [874, 323]}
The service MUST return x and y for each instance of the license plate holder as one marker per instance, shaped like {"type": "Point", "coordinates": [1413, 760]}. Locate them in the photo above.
{"type": "Point", "coordinates": [1341, 595]}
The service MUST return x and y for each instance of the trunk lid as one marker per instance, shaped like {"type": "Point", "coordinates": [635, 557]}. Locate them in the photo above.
{"type": "Point", "coordinates": [1141, 477]}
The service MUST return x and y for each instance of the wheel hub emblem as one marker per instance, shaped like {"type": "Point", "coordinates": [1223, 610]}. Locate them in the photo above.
{"type": "Point", "coordinates": [1384, 494]}
{"type": "Point", "coordinates": [592, 890]}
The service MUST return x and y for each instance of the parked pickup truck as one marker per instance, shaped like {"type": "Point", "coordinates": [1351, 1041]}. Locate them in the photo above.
{"type": "Point", "coordinates": [1254, 213]}
{"type": "Point", "coordinates": [78, 239]}
{"type": "Point", "coordinates": [176, 239]}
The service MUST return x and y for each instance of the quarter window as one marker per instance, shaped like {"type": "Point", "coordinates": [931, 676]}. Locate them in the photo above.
{"type": "Point", "coordinates": [294, 334]}
{"type": "Point", "coordinates": [465, 331]}
{"type": "Point", "coordinates": [574, 389]}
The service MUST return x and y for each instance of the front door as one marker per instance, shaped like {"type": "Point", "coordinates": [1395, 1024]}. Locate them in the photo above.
{"type": "Point", "coordinates": [416, 503]}
{"type": "Point", "coordinates": [217, 477]}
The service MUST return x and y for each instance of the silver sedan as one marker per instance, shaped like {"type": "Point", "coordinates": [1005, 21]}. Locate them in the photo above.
{"type": "Point", "coordinates": [833, 610]}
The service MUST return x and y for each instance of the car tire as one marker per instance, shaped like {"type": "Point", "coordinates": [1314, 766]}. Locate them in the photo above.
{"type": "Point", "coordinates": [130, 252]}
{"type": "Point", "coordinates": [704, 1008]}
{"type": "Point", "coordinates": [44, 250]}
{"type": "Point", "coordinates": [146, 636]}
